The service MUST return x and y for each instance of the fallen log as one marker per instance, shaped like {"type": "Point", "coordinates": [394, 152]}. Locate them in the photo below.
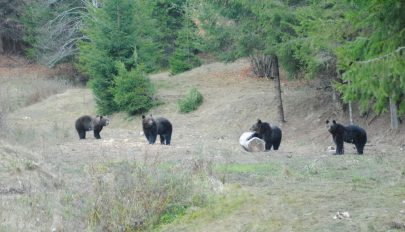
{"type": "Point", "coordinates": [251, 143]}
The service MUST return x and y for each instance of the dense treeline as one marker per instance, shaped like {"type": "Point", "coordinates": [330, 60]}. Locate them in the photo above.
{"type": "Point", "coordinates": [359, 46]}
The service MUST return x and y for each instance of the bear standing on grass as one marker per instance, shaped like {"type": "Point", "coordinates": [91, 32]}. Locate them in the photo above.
{"type": "Point", "coordinates": [157, 126]}
{"type": "Point", "coordinates": [89, 123]}
{"type": "Point", "coordinates": [349, 134]}
{"type": "Point", "coordinates": [271, 135]}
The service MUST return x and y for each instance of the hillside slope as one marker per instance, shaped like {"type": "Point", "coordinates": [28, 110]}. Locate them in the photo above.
{"type": "Point", "coordinates": [58, 163]}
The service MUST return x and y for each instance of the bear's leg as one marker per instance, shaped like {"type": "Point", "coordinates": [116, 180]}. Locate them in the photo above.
{"type": "Point", "coordinates": [359, 148]}
{"type": "Point", "coordinates": [168, 137]}
{"type": "Point", "coordinates": [268, 146]}
{"type": "Point", "coordinates": [97, 134]}
{"type": "Point", "coordinates": [276, 145]}
{"type": "Point", "coordinates": [339, 147]}
{"type": "Point", "coordinates": [152, 138]}
{"type": "Point", "coordinates": [271, 145]}
{"type": "Point", "coordinates": [162, 139]}
{"type": "Point", "coordinates": [82, 134]}
{"type": "Point", "coordinates": [147, 135]}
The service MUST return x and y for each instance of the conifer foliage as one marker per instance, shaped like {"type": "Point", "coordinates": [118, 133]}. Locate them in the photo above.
{"type": "Point", "coordinates": [374, 61]}
{"type": "Point", "coordinates": [111, 38]}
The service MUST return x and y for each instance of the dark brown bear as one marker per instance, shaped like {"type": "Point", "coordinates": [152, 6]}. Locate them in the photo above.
{"type": "Point", "coordinates": [270, 135]}
{"type": "Point", "coordinates": [349, 134]}
{"type": "Point", "coordinates": [157, 126]}
{"type": "Point", "coordinates": [89, 123]}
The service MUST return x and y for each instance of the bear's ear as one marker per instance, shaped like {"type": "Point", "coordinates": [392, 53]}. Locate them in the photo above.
{"type": "Point", "coordinates": [259, 121]}
{"type": "Point", "coordinates": [334, 122]}
{"type": "Point", "coordinates": [143, 116]}
{"type": "Point", "coordinates": [101, 116]}
{"type": "Point", "coordinates": [327, 121]}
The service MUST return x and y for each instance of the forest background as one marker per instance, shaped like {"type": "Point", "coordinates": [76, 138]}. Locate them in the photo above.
{"type": "Point", "coordinates": [356, 46]}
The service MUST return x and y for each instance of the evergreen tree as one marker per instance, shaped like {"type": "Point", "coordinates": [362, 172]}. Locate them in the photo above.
{"type": "Point", "coordinates": [184, 57]}
{"type": "Point", "coordinates": [322, 27]}
{"type": "Point", "coordinates": [147, 35]}
{"type": "Point", "coordinates": [133, 91]}
{"type": "Point", "coordinates": [169, 15]}
{"type": "Point", "coordinates": [241, 28]}
{"type": "Point", "coordinates": [111, 37]}
{"type": "Point", "coordinates": [374, 57]}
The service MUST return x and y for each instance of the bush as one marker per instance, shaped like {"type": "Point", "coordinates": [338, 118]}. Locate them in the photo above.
{"type": "Point", "coordinates": [133, 91]}
{"type": "Point", "coordinates": [133, 196]}
{"type": "Point", "coordinates": [191, 101]}
{"type": "Point", "coordinates": [183, 60]}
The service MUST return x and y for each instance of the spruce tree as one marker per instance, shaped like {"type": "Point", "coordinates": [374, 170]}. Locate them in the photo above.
{"type": "Point", "coordinates": [110, 33]}
{"type": "Point", "coordinates": [133, 91]}
{"type": "Point", "coordinates": [373, 58]}
{"type": "Point", "coordinates": [184, 57]}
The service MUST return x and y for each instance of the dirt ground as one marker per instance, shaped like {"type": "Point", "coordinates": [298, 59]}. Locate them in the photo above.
{"type": "Point", "coordinates": [40, 149]}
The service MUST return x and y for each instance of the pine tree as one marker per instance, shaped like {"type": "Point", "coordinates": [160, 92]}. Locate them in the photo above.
{"type": "Point", "coordinates": [374, 58]}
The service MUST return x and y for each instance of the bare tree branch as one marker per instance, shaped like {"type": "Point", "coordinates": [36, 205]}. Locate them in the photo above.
{"type": "Point", "coordinates": [58, 37]}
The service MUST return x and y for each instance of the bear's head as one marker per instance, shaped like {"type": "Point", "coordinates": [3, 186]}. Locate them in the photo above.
{"type": "Point", "coordinates": [102, 121]}
{"type": "Point", "coordinates": [332, 127]}
{"type": "Point", "coordinates": [148, 122]}
{"type": "Point", "coordinates": [258, 127]}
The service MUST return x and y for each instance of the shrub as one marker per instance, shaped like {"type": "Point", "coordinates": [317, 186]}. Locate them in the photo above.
{"type": "Point", "coordinates": [142, 196]}
{"type": "Point", "coordinates": [191, 101]}
{"type": "Point", "coordinates": [133, 91]}
{"type": "Point", "coordinates": [182, 61]}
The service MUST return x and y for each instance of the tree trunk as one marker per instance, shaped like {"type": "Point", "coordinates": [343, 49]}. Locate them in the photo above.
{"type": "Point", "coordinates": [276, 75]}
{"type": "Point", "coordinates": [1, 45]}
{"type": "Point", "coordinates": [394, 114]}
{"type": "Point", "coordinates": [350, 113]}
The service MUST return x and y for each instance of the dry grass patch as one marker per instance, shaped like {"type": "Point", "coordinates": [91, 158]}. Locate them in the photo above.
{"type": "Point", "coordinates": [133, 196]}
{"type": "Point", "coordinates": [16, 93]}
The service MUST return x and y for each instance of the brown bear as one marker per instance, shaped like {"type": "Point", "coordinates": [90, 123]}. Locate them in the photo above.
{"type": "Point", "coordinates": [270, 134]}
{"type": "Point", "coordinates": [157, 126]}
{"type": "Point", "coordinates": [349, 134]}
{"type": "Point", "coordinates": [89, 123]}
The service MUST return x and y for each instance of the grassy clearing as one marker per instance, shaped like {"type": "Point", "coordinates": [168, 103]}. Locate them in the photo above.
{"type": "Point", "coordinates": [301, 194]}
{"type": "Point", "coordinates": [219, 207]}
{"type": "Point", "coordinates": [116, 183]}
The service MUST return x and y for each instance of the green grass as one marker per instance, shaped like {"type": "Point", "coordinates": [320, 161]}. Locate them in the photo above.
{"type": "Point", "coordinates": [191, 101]}
{"type": "Point", "coordinates": [304, 194]}
{"type": "Point", "coordinates": [220, 206]}
{"type": "Point", "coordinates": [262, 169]}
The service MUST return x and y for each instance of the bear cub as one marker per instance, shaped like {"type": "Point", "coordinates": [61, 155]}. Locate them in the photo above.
{"type": "Point", "coordinates": [349, 134]}
{"type": "Point", "coordinates": [270, 134]}
{"type": "Point", "coordinates": [89, 123]}
{"type": "Point", "coordinates": [157, 126]}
